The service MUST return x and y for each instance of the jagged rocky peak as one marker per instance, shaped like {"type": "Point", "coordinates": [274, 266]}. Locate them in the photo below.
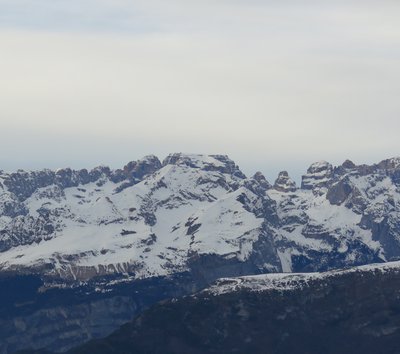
{"type": "Point", "coordinates": [358, 185]}
{"type": "Point", "coordinates": [320, 167]}
{"type": "Point", "coordinates": [220, 163]}
{"type": "Point", "coordinates": [143, 167]}
{"type": "Point", "coordinates": [260, 178]}
{"type": "Point", "coordinates": [318, 174]}
{"type": "Point", "coordinates": [23, 184]}
{"type": "Point", "coordinates": [391, 168]}
{"type": "Point", "coordinates": [390, 164]}
{"type": "Point", "coordinates": [258, 184]}
{"type": "Point", "coordinates": [284, 183]}
{"type": "Point", "coordinates": [191, 160]}
{"type": "Point", "coordinates": [348, 165]}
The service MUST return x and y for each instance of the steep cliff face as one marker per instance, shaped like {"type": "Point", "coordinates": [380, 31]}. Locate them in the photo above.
{"type": "Point", "coordinates": [194, 217]}
{"type": "Point", "coordinates": [342, 216]}
{"type": "Point", "coordinates": [34, 315]}
{"type": "Point", "coordinates": [354, 311]}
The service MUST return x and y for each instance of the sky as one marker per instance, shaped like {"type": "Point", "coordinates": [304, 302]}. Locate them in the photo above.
{"type": "Point", "coordinates": [276, 85]}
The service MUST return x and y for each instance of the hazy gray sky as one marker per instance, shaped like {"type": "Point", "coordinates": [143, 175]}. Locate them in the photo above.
{"type": "Point", "coordinates": [273, 84]}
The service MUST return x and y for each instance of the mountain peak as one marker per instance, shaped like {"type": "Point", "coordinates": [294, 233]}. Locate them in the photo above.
{"type": "Point", "coordinates": [348, 164]}
{"type": "Point", "coordinates": [318, 174]}
{"type": "Point", "coordinates": [319, 166]}
{"type": "Point", "coordinates": [284, 183]}
{"type": "Point", "coordinates": [145, 166]}
{"type": "Point", "coordinates": [260, 178]}
{"type": "Point", "coordinates": [221, 163]}
{"type": "Point", "coordinates": [389, 164]}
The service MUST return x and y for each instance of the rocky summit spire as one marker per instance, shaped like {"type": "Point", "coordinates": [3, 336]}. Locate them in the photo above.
{"type": "Point", "coordinates": [318, 174]}
{"type": "Point", "coordinates": [260, 178]}
{"type": "Point", "coordinates": [284, 183]}
{"type": "Point", "coordinates": [348, 164]}
{"type": "Point", "coordinates": [143, 167]}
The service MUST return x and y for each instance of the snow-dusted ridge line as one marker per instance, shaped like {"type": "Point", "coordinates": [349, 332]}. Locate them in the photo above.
{"type": "Point", "coordinates": [290, 281]}
{"type": "Point", "coordinates": [153, 218]}
{"type": "Point", "coordinates": [148, 228]}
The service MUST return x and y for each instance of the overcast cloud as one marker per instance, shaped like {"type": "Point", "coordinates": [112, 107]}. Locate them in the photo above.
{"type": "Point", "coordinates": [273, 84]}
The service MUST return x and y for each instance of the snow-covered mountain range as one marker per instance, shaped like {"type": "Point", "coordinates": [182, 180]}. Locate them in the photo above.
{"type": "Point", "coordinates": [84, 251]}
{"type": "Point", "coordinates": [153, 218]}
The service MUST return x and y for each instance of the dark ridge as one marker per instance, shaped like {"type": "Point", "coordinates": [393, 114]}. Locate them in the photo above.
{"type": "Point", "coordinates": [357, 313]}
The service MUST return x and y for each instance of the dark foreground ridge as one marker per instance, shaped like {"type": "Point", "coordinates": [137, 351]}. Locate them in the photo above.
{"type": "Point", "coordinates": [348, 312]}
